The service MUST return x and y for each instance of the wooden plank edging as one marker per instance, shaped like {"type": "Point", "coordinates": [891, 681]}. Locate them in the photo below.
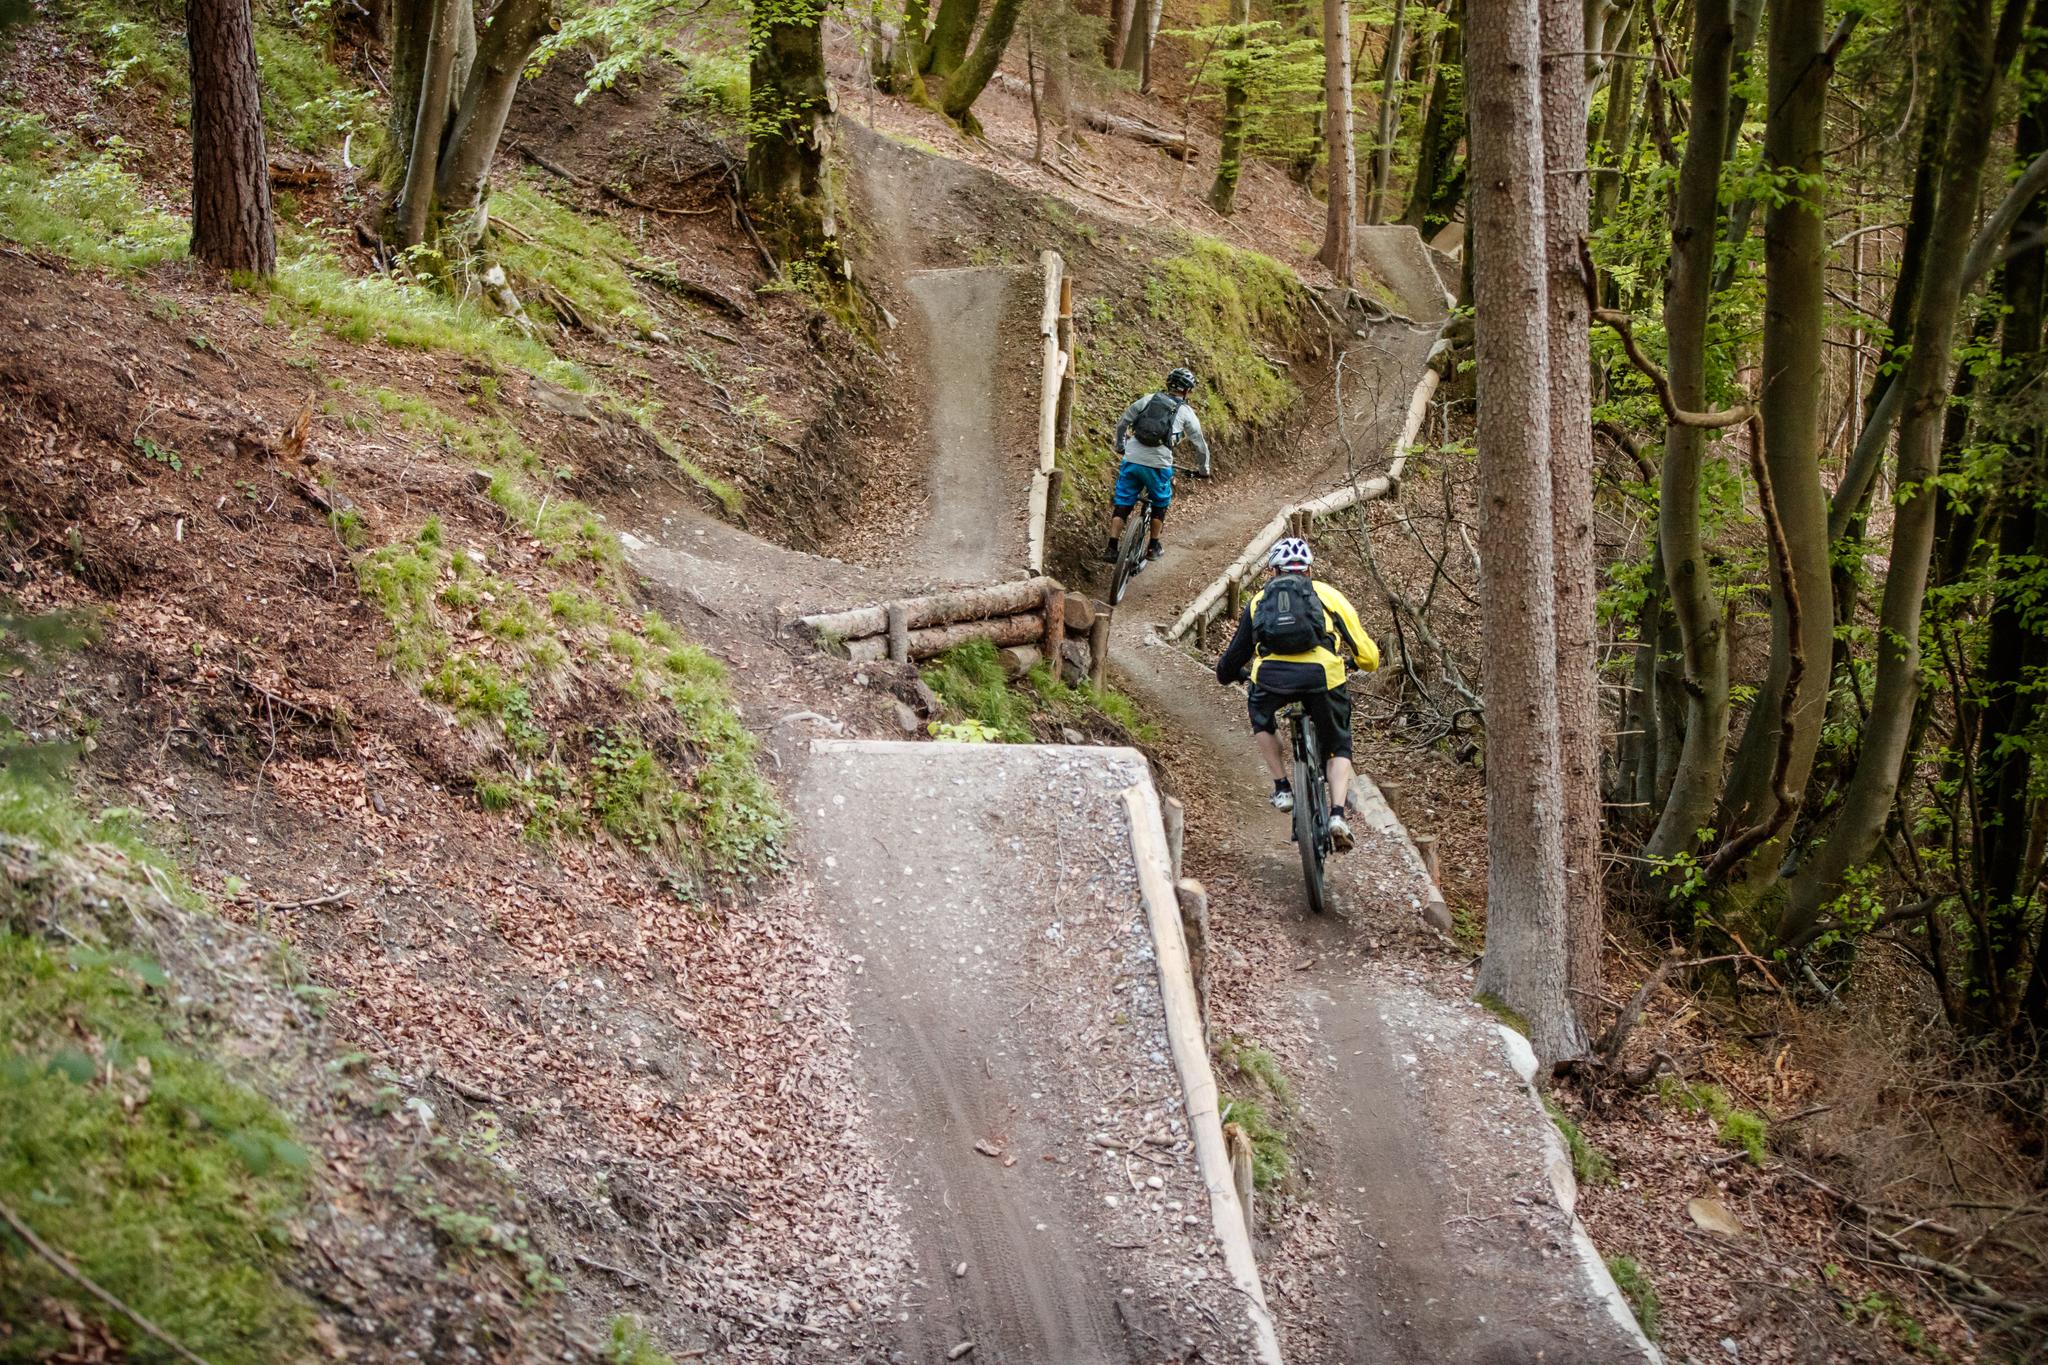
{"type": "Point", "coordinates": [1191, 1058]}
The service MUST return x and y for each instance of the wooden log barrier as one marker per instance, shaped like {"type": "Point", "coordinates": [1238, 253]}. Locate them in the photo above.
{"type": "Point", "coordinates": [1027, 628]}
{"type": "Point", "coordinates": [1098, 650]}
{"type": "Point", "coordinates": [898, 616]}
{"type": "Point", "coordinates": [937, 609]}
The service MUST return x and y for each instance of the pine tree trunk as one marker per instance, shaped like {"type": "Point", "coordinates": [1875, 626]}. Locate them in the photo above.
{"type": "Point", "coordinates": [1795, 270]}
{"type": "Point", "coordinates": [789, 126]}
{"type": "Point", "coordinates": [1524, 966]}
{"type": "Point", "coordinates": [1390, 116]}
{"type": "Point", "coordinates": [1695, 776]}
{"type": "Point", "coordinates": [232, 228]}
{"type": "Point", "coordinates": [966, 84]}
{"type": "Point", "coordinates": [1223, 193]}
{"type": "Point", "coordinates": [1571, 479]}
{"type": "Point", "coordinates": [1338, 131]}
{"type": "Point", "coordinates": [1119, 31]}
{"type": "Point", "coordinates": [1867, 803]}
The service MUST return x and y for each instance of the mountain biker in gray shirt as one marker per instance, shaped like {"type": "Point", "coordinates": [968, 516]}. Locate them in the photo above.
{"type": "Point", "coordinates": [1147, 467]}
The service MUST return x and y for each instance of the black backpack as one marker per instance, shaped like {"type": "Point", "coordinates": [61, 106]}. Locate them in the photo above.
{"type": "Point", "coordinates": [1289, 617]}
{"type": "Point", "coordinates": [1154, 426]}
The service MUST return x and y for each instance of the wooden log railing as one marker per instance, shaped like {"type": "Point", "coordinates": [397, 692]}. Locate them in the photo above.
{"type": "Point", "coordinates": [1055, 403]}
{"type": "Point", "coordinates": [1225, 593]}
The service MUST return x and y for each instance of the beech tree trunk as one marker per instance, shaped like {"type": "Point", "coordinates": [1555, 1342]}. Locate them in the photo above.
{"type": "Point", "coordinates": [1620, 125]}
{"type": "Point", "coordinates": [232, 227]}
{"type": "Point", "coordinates": [1695, 775]}
{"type": "Point", "coordinates": [1137, 53]}
{"type": "Point", "coordinates": [789, 126]}
{"type": "Point", "coordinates": [1390, 116]}
{"type": "Point", "coordinates": [1866, 805]}
{"type": "Point", "coordinates": [1571, 480]}
{"type": "Point", "coordinates": [965, 85]}
{"type": "Point", "coordinates": [1795, 271]}
{"type": "Point", "coordinates": [1223, 193]}
{"type": "Point", "coordinates": [1524, 966]}
{"type": "Point", "coordinates": [1439, 183]}
{"type": "Point", "coordinates": [1338, 131]}
{"type": "Point", "coordinates": [951, 31]}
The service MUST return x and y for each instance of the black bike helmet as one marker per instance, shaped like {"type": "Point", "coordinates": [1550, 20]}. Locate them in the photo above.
{"type": "Point", "coordinates": [1181, 381]}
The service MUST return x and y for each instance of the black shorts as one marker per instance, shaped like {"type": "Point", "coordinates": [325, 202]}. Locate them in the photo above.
{"type": "Point", "coordinates": [1330, 710]}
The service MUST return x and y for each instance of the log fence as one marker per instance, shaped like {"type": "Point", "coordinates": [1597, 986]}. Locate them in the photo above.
{"type": "Point", "coordinates": [1027, 620]}
{"type": "Point", "coordinates": [1055, 403]}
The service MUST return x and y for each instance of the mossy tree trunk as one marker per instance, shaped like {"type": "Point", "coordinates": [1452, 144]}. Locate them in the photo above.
{"type": "Point", "coordinates": [951, 31]}
{"type": "Point", "coordinates": [1223, 193]}
{"type": "Point", "coordinates": [1439, 172]}
{"type": "Point", "coordinates": [232, 226]}
{"type": "Point", "coordinates": [965, 85]}
{"type": "Point", "coordinates": [1389, 120]}
{"type": "Point", "coordinates": [789, 128]}
{"type": "Point", "coordinates": [1338, 135]}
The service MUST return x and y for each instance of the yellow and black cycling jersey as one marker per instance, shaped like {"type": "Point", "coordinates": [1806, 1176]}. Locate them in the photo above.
{"type": "Point", "coordinates": [1321, 668]}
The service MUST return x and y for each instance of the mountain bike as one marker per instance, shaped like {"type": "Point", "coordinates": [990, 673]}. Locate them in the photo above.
{"type": "Point", "coordinates": [1311, 802]}
{"type": "Point", "coordinates": [1130, 551]}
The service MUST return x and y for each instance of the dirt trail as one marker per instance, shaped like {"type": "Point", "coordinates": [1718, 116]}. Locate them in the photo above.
{"type": "Point", "coordinates": [1011, 1036]}
{"type": "Point", "coordinates": [978, 473]}
{"type": "Point", "coordinates": [1430, 1158]}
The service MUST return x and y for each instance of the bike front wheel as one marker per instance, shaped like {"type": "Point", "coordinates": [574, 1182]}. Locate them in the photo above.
{"type": "Point", "coordinates": [1308, 834]}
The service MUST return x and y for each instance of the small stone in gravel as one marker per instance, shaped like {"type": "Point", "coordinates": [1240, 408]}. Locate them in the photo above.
{"type": "Point", "coordinates": [962, 1349]}
{"type": "Point", "coordinates": [960, 1271]}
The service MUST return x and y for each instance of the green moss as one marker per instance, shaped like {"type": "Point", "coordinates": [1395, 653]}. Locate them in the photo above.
{"type": "Point", "coordinates": [1740, 1128]}
{"type": "Point", "coordinates": [1229, 305]}
{"type": "Point", "coordinates": [1589, 1163]}
{"type": "Point", "coordinates": [1635, 1286]}
{"type": "Point", "coordinates": [125, 1145]}
{"type": "Point", "coordinates": [1501, 1010]}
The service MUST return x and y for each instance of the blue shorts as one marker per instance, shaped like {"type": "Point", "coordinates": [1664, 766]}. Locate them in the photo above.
{"type": "Point", "coordinates": [1135, 480]}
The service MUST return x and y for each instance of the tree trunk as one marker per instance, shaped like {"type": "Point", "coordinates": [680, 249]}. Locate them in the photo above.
{"type": "Point", "coordinates": [1795, 268]}
{"type": "Point", "coordinates": [1866, 806]}
{"type": "Point", "coordinates": [1223, 193]}
{"type": "Point", "coordinates": [1442, 126]}
{"type": "Point", "coordinates": [966, 84]}
{"type": "Point", "coordinates": [1342, 213]}
{"type": "Point", "coordinates": [2017, 643]}
{"type": "Point", "coordinates": [1571, 479]}
{"type": "Point", "coordinates": [950, 34]}
{"type": "Point", "coordinates": [1524, 967]}
{"type": "Point", "coordinates": [789, 126]}
{"type": "Point", "coordinates": [1137, 55]}
{"type": "Point", "coordinates": [232, 227]}
{"type": "Point", "coordinates": [1688, 290]}
{"type": "Point", "coordinates": [1390, 116]}
{"type": "Point", "coordinates": [516, 29]}
{"type": "Point", "coordinates": [1619, 127]}
{"type": "Point", "coordinates": [437, 82]}
{"type": "Point", "coordinates": [1119, 29]}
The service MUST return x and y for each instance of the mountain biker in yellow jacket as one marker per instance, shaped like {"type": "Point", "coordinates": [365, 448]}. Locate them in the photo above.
{"type": "Point", "coordinates": [1301, 660]}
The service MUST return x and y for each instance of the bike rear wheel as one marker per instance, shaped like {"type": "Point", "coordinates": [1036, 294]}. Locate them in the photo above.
{"type": "Point", "coordinates": [1130, 556]}
{"type": "Point", "coordinates": [1310, 810]}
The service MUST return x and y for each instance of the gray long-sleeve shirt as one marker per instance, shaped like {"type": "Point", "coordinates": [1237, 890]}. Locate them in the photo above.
{"type": "Point", "coordinates": [1186, 426]}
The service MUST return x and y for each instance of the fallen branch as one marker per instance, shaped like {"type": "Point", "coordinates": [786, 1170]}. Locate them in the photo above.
{"type": "Point", "coordinates": [78, 1277]}
{"type": "Point", "coordinates": [554, 168]}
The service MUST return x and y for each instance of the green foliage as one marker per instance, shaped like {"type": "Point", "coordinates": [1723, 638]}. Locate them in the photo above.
{"type": "Point", "coordinates": [572, 256]}
{"type": "Point", "coordinates": [87, 209]}
{"type": "Point", "coordinates": [1589, 1163]}
{"type": "Point", "coordinates": [982, 705]}
{"type": "Point", "coordinates": [1229, 305]}
{"type": "Point", "coordinates": [1739, 1128]}
{"type": "Point", "coordinates": [716, 82]}
{"type": "Point", "coordinates": [1503, 1011]}
{"type": "Point", "coordinates": [1281, 74]}
{"type": "Point", "coordinates": [629, 1344]}
{"type": "Point", "coordinates": [1260, 1100]}
{"type": "Point", "coordinates": [1635, 1286]}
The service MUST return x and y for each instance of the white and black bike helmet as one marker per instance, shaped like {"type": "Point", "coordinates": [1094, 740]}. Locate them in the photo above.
{"type": "Point", "coordinates": [1181, 380]}
{"type": "Point", "coordinates": [1291, 555]}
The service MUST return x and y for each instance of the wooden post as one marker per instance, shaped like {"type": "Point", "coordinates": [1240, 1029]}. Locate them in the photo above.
{"type": "Point", "coordinates": [1194, 928]}
{"type": "Point", "coordinates": [1175, 816]}
{"type": "Point", "coordinates": [1098, 649]}
{"type": "Point", "coordinates": [1240, 1148]}
{"type": "Point", "coordinates": [1202, 635]}
{"type": "Point", "coordinates": [1425, 844]}
{"type": "Point", "coordinates": [899, 632]}
{"type": "Point", "coordinates": [1392, 792]}
{"type": "Point", "coordinates": [1055, 626]}
{"type": "Point", "coordinates": [1052, 497]}
{"type": "Point", "coordinates": [1233, 599]}
{"type": "Point", "coordinates": [1063, 425]}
